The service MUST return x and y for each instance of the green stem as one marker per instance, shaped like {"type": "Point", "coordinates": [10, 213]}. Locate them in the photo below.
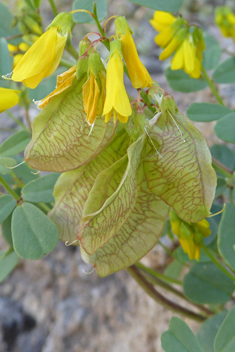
{"type": "Point", "coordinates": [158, 275]}
{"type": "Point", "coordinates": [28, 118]}
{"type": "Point", "coordinates": [45, 207]}
{"type": "Point", "coordinates": [53, 7]}
{"type": "Point", "coordinates": [215, 261]}
{"type": "Point", "coordinates": [17, 180]}
{"type": "Point", "coordinates": [172, 254]}
{"type": "Point", "coordinates": [8, 188]}
{"type": "Point", "coordinates": [221, 168]}
{"type": "Point", "coordinates": [156, 281]}
{"type": "Point", "coordinates": [212, 86]}
{"type": "Point", "coordinates": [159, 298]}
{"type": "Point", "coordinates": [102, 32]}
{"type": "Point", "coordinates": [72, 51]}
{"type": "Point", "coordinates": [67, 63]}
{"type": "Point", "coordinates": [16, 120]}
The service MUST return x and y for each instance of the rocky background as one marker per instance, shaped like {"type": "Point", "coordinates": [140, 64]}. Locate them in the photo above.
{"type": "Point", "coordinates": [56, 304]}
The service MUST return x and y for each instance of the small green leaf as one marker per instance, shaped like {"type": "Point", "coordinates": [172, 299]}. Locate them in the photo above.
{"type": "Point", "coordinates": [206, 112]}
{"type": "Point", "coordinates": [5, 25]}
{"type": "Point", "coordinates": [24, 172]}
{"type": "Point", "coordinates": [182, 82]}
{"type": "Point", "coordinates": [224, 154]}
{"type": "Point", "coordinates": [7, 263]}
{"type": "Point", "coordinates": [6, 60]}
{"type": "Point", "coordinates": [5, 163]}
{"type": "Point", "coordinates": [212, 54]}
{"type": "Point", "coordinates": [166, 5]}
{"type": "Point", "coordinates": [206, 283]}
{"type": "Point", "coordinates": [174, 269]}
{"type": "Point", "coordinates": [41, 189]}
{"type": "Point", "coordinates": [179, 338]}
{"type": "Point", "coordinates": [6, 230]}
{"type": "Point", "coordinates": [226, 238]}
{"type": "Point", "coordinates": [88, 5]}
{"type": "Point", "coordinates": [221, 186]}
{"type": "Point", "coordinates": [15, 144]}
{"type": "Point", "coordinates": [225, 337]}
{"type": "Point", "coordinates": [225, 72]}
{"type": "Point", "coordinates": [225, 128]}
{"type": "Point", "coordinates": [34, 234]}
{"type": "Point", "coordinates": [7, 204]}
{"type": "Point", "coordinates": [208, 330]}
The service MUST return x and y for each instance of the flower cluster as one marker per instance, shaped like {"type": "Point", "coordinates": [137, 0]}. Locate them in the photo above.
{"type": "Point", "coordinates": [179, 38]}
{"type": "Point", "coordinates": [190, 234]}
{"type": "Point", "coordinates": [225, 20]}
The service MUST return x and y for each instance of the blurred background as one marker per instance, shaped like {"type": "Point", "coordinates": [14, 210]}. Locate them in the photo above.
{"type": "Point", "coordinates": [56, 304]}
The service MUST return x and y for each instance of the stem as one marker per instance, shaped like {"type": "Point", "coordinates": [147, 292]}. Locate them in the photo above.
{"type": "Point", "coordinates": [212, 86]}
{"type": "Point", "coordinates": [215, 261]}
{"type": "Point", "coordinates": [72, 51]}
{"type": "Point", "coordinates": [17, 180]}
{"type": "Point", "coordinates": [154, 280]}
{"type": "Point", "coordinates": [172, 254]}
{"type": "Point", "coordinates": [28, 119]}
{"type": "Point", "coordinates": [16, 120]}
{"type": "Point", "coordinates": [45, 207]}
{"type": "Point", "coordinates": [150, 290]}
{"type": "Point", "coordinates": [158, 275]}
{"type": "Point", "coordinates": [53, 7]}
{"type": "Point", "coordinates": [231, 195]}
{"type": "Point", "coordinates": [66, 63]}
{"type": "Point", "coordinates": [224, 170]}
{"type": "Point", "coordinates": [102, 32]}
{"type": "Point", "coordinates": [14, 36]}
{"type": "Point", "coordinates": [8, 188]}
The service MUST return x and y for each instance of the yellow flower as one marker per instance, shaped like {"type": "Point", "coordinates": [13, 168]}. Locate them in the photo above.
{"type": "Point", "coordinates": [139, 76]}
{"type": "Point", "coordinates": [8, 98]}
{"type": "Point", "coordinates": [162, 20]}
{"type": "Point", "coordinates": [94, 88]}
{"type": "Point", "coordinates": [117, 101]}
{"type": "Point", "coordinates": [41, 60]}
{"type": "Point", "coordinates": [64, 81]}
{"type": "Point", "coordinates": [190, 235]}
{"type": "Point", "coordinates": [176, 36]}
{"type": "Point", "coordinates": [225, 19]}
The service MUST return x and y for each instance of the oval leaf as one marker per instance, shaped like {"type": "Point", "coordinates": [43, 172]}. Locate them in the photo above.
{"type": "Point", "coordinates": [6, 60]}
{"type": "Point", "coordinates": [206, 112]}
{"type": "Point", "coordinates": [40, 190]}
{"type": "Point", "coordinates": [7, 263]}
{"type": "Point", "coordinates": [182, 82]}
{"type": "Point", "coordinates": [208, 330]}
{"type": "Point", "coordinates": [206, 283]}
{"type": "Point", "coordinates": [6, 230]}
{"type": "Point", "coordinates": [15, 144]}
{"type": "Point", "coordinates": [225, 337]}
{"type": "Point", "coordinates": [34, 234]}
{"type": "Point", "coordinates": [7, 204]}
{"type": "Point", "coordinates": [179, 338]}
{"type": "Point", "coordinates": [166, 5]}
{"type": "Point", "coordinates": [226, 238]}
{"type": "Point", "coordinates": [212, 53]}
{"type": "Point", "coordinates": [88, 5]}
{"type": "Point", "coordinates": [225, 128]}
{"type": "Point", "coordinates": [225, 72]}
{"type": "Point", "coordinates": [5, 25]}
{"type": "Point", "coordinates": [5, 163]}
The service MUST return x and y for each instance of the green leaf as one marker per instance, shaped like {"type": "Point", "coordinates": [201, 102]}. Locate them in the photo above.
{"type": "Point", "coordinates": [61, 138]}
{"type": "Point", "coordinates": [225, 128]}
{"type": "Point", "coordinates": [7, 204]}
{"type": "Point", "coordinates": [226, 238]}
{"type": "Point", "coordinates": [24, 171]}
{"type": "Point", "coordinates": [88, 5]}
{"type": "Point", "coordinates": [41, 189]}
{"type": "Point", "coordinates": [212, 53]}
{"type": "Point", "coordinates": [34, 234]}
{"type": "Point", "coordinates": [206, 283]}
{"type": "Point", "coordinates": [208, 330]}
{"type": "Point", "coordinates": [6, 60]}
{"type": "Point", "coordinates": [184, 258]}
{"type": "Point", "coordinates": [182, 175]}
{"type": "Point", "coordinates": [225, 72]}
{"type": "Point", "coordinates": [15, 144]}
{"type": "Point", "coordinates": [5, 163]}
{"type": "Point", "coordinates": [6, 230]}
{"type": "Point", "coordinates": [166, 5]}
{"type": "Point", "coordinates": [73, 187]}
{"type": "Point", "coordinates": [224, 154]}
{"type": "Point", "coordinates": [206, 112]}
{"type": "Point", "coordinates": [7, 263]}
{"type": "Point", "coordinates": [174, 269]}
{"type": "Point", "coordinates": [225, 337]}
{"type": "Point", "coordinates": [221, 186]}
{"type": "Point", "coordinates": [182, 82]}
{"type": "Point", "coordinates": [5, 25]}
{"type": "Point", "coordinates": [179, 338]}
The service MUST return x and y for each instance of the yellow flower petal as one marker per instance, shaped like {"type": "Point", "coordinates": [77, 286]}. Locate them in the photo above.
{"type": "Point", "coordinates": [189, 55]}
{"type": "Point", "coordinates": [91, 94]}
{"type": "Point", "coordinates": [8, 98]}
{"type": "Point", "coordinates": [164, 37]}
{"type": "Point", "coordinates": [177, 63]}
{"type": "Point", "coordinates": [170, 49]}
{"type": "Point", "coordinates": [162, 20]}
